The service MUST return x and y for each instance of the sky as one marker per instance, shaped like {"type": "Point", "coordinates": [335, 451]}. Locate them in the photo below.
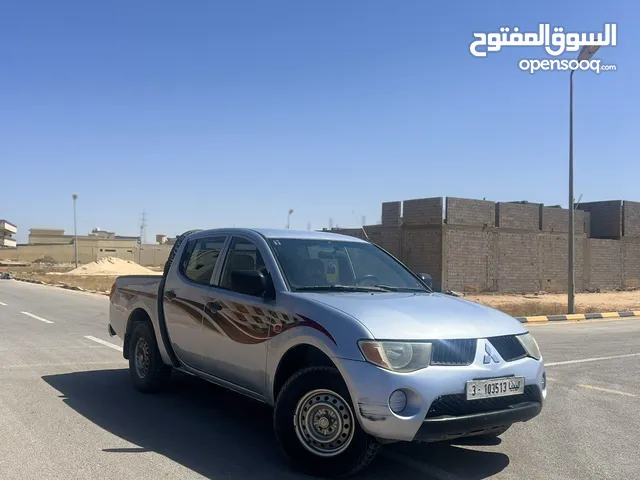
{"type": "Point", "coordinates": [207, 113]}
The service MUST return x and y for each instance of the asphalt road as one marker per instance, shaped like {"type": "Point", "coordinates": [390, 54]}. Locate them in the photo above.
{"type": "Point", "coordinates": [67, 410]}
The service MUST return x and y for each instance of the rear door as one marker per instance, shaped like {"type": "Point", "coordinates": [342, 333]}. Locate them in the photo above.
{"type": "Point", "coordinates": [236, 326]}
{"type": "Point", "coordinates": [185, 292]}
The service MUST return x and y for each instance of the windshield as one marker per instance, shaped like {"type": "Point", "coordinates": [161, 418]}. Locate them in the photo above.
{"type": "Point", "coordinates": [310, 264]}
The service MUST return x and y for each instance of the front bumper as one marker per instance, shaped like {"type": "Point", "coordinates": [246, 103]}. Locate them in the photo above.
{"type": "Point", "coordinates": [446, 428]}
{"type": "Point", "coordinates": [437, 408]}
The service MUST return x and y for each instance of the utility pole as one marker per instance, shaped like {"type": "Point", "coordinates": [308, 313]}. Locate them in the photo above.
{"type": "Point", "coordinates": [75, 230]}
{"type": "Point", "coordinates": [143, 226]}
{"type": "Point", "coordinates": [289, 218]}
{"type": "Point", "coordinates": [585, 54]}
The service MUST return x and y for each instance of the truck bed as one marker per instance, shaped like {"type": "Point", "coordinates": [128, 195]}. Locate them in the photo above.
{"type": "Point", "coordinates": [133, 292]}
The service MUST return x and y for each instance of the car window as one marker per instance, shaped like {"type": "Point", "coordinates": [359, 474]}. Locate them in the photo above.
{"type": "Point", "coordinates": [242, 255]}
{"type": "Point", "coordinates": [324, 263]}
{"type": "Point", "coordinates": [200, 260]}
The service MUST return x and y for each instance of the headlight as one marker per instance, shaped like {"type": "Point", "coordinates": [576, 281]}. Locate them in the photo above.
{"type": "Point", "coordinates": [397, 356]}
{"type": "Point", "coordinates": [530, 345]}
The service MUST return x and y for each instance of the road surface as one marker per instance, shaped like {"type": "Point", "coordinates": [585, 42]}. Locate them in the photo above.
{"type": "Point", "coordinates": [67, 410]}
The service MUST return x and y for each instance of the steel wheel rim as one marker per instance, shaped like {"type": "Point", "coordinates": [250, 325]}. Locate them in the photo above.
{"type": "Point", "coordinates": [324, 423]}
{"type": "Point", "coordinates": [142, 357]}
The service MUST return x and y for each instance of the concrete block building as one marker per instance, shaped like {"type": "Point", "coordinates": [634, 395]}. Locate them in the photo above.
{"type": "Point", "coordinates": [7, 231]}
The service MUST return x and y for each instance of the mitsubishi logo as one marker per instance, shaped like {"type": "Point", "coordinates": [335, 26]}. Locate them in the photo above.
{"type": "Point", "coordinates": [489, 354]}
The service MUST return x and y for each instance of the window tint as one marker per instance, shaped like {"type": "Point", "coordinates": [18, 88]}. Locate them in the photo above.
{"type": "Point", "coordinates": [242, 255]}
{"type": "Point", "coordinates": [201, 257]}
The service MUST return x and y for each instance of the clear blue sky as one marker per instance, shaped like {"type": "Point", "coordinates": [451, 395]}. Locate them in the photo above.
{"type": "Point", "coordinates": [209, 113]}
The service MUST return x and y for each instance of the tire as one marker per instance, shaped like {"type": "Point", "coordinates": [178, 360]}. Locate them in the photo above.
{"type": "Point", "coordinates": [306, 392]}
{"type": "Point", "coordinates": [148, 372]}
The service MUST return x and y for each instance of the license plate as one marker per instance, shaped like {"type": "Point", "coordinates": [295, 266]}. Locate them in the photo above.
{"type": "Point", "coordinates": [494, 387]}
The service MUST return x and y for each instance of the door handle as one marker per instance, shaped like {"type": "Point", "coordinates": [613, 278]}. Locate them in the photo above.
{"type": "Point", "coordinates": [214, 306]}
{"type": "Point", "coordinates": [170, 294]}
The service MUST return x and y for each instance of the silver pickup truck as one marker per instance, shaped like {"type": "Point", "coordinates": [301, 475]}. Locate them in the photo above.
{"type": "Point", "coordinates": [349, 346]}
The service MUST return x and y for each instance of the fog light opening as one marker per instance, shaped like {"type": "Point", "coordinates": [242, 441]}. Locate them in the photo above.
{"type": "Point", "coordinates": [398, 401]}
{"type": "Point", "coordinates": [544, 381]}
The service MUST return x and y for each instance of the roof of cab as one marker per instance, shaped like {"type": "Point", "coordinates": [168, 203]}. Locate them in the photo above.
{"type": "Point", "coordinates": [301, 234]}
{"type": "Point", "coordinates": [305, 234]}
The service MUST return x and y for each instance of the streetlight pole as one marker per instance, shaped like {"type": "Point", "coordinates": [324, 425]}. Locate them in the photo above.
{"type": "Point", "coordinates": [585, 54]}
{"type": "Point", "coordinates": [289, 218]}
{"type": "Point", "coordinates": [75, 230]}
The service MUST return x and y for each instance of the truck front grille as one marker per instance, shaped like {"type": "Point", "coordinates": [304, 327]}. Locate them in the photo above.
{"type": "Point", "coordinates": [509, 347]}
{"type": "Point", "coordinates": [453, 352]}
{"type": "Point", "coordinates": [457, 404]}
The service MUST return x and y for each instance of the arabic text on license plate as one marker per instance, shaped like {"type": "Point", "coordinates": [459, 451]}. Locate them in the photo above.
{"type": "Point", "coordinates": [495, 387]}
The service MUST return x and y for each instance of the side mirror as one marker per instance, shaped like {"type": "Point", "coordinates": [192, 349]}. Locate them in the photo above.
{"type": "Point", "coordinates": [426, 279]}
{"type": "Point", "coordinates": [249, 282]}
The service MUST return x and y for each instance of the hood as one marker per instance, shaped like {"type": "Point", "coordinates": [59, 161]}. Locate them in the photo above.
{"type": "Point", "coordinates": [420, 316]}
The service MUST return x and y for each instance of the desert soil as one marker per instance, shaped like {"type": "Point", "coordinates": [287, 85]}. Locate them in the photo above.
{"type": "Point", "coordinates": [110, 266]}
{"type": "Point", "coordinates": [556, 304]}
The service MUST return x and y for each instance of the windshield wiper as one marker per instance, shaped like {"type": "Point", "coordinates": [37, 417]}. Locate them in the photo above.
{"type": "Point", "coordinates": [390, 288]}
{"type": "Point", "coordinates": [341, 288]}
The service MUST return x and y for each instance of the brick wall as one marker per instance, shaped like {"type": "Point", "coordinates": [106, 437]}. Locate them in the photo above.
{"type": "Point", "coordinates": [518, 216]}
{"type": "Point", "coordinates": [422, 211]}
{"type": "Point", "coordinates": [631, 262]}
{"type": "Point", "coordinates": [553, 254]}
{"type": "Point", "coordinates": [606, 218]}
{"type": "Point", "coordinates": [587, 223]}
{"type": "Point", "coordinates": [631, 219]}
{"type": "Point", "coordinates": [605, 263]}
{"type": "Point", "coordinates": [462, 211]}
{"type": "Point", "coordinates": [469, 254]}
{"type": "Point", "coordinates": [517, 262]}
{"type": "Point", "coordinates": [422, 252]}
{"type": "Point", "coordinates": [469, 260]}
{"type": "Point", "coordinates": [391, 213]}
{"type": "Point", "coordinates": [556, 220]}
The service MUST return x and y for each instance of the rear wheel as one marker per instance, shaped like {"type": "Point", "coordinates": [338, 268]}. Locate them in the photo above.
{"type": "Point", "coordinates": [316, 427]}
{"type": "Point", "coordinates": [147, 370]}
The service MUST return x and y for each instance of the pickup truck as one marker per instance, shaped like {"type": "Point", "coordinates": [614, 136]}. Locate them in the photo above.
{"type": "Point", "coordinates": [351, 348]}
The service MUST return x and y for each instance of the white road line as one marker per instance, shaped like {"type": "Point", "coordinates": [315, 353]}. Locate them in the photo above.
{"type": "Point", "coordinates": [596, 359]}
{"type": "Point", "coordinates": [3, 304]}
{"type": "Point", "coordinates": [36, 317]}
{"type": "Point", "coordinates": [606, 390]}
{"type": "Point", "coordinates": [106, 344]}
{"type": "Point", "coordinates": [74, 365]}
{"type": "Point", "coordinates": [430, 470]}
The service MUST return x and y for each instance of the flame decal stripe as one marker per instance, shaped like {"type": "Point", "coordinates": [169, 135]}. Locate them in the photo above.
{"type": "Point", "coordinates": [244, 324]}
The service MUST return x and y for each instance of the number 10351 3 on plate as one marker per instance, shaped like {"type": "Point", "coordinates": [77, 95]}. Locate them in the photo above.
{"type": "Point", "coordinates": [495, 387]}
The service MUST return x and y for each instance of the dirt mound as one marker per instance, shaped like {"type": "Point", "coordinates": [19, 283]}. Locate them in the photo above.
{"type": "Point", "coordinates": [46, 259]}
{"type": "Point", "coordinates": [112, 266]}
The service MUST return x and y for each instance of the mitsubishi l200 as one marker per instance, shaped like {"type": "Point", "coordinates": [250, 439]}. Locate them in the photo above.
{"type": "Point", "coordinates": [350, 347]}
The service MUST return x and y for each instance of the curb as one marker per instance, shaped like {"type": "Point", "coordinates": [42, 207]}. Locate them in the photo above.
{"type": "Point", "coordinates": [577, 317]}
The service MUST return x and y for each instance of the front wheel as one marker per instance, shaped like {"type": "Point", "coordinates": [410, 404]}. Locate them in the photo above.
{"type": "Point", "coordinates": [316, 427]}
